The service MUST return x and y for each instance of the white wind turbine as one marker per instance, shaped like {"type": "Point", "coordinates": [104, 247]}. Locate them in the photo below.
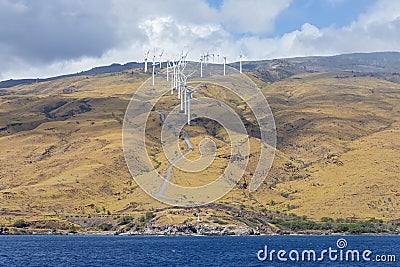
{"type": "Point", "coordinates": [162, 52]}
{"type": "Point", "coordinates": [184, 57]}
{"type": "Point", "coordinates": [189, 92]}
{"type": "Point", "coordinates": [154, 65]}
{"type": "Point", "coordinates": [224, 66]}
{"type": "Point", "coordinates": [187, 96]}
{"type": "Point", "coordinates": [206, 57]}
{"type": "Point", "coordinates": [182, 84]}
{"type": "Point", "coordinates": [179, 66]}
{"type": "Point", "coordinates": [182, 78]}
{"type": "Point", "coordinates": [146, 55]}
{"type": "Point", "coordinates": [171, 64]}
{"type": "Point", "coordinates": [178, 81]}
{"type": "Point", "coordinates": [201, 66]}
{"type": "Point", "coordinates": [168, 67]}
{"type": "Point", "coordinates": [174, 83]}
{"type": "Point", "coordinates": [240, 63]}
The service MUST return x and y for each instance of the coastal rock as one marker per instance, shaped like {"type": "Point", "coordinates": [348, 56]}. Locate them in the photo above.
{"type": "Point", "coordinates": [4, 231]}
{"type": "Point", "coordinates": [191, 229]}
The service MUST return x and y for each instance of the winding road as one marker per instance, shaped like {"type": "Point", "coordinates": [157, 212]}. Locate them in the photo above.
{"type": "Point", "coordinates": [171, 166]}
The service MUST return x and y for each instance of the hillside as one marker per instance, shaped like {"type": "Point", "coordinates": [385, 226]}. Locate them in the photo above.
{"type": "Point", "coordinates": [268, 70]}
{"type": "Point", "coordinates": [338, 153]}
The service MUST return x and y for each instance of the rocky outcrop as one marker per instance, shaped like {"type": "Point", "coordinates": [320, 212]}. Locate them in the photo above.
{"type": "Point", "coordinates": [4, 231]}
{"type": "Point", "coordinates": [191, 229]}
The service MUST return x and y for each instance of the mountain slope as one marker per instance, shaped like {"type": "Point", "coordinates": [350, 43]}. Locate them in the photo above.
{"type": "Point", "coordinates": [337, 153]}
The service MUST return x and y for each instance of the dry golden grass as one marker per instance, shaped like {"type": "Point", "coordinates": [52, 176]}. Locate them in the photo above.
{"type": "Point", "coordinates": [337, 155]}
{"type": "Point", "coordinates": [345, 135]}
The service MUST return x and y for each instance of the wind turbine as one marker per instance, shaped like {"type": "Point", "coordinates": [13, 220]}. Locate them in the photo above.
{"type": "Point", "coordinates": [240, 63]}
{"type": "Point", "coordinates": [174, 77]}
{"type": "Point", "coordinates": [181, 92]}
{"type": "Point", "coordinates": [206, 57]}
{"type": "Point", "coordinates": [184, 57]}
{"type": "Point", "coordinates": [146, 55]}
{"type": "Point", "coordinates": [154, 65]}
{"type": "Point", "coordinates": [190, 96]}
{"type": "Point", "coordinates": [201, 66]}
{"type": "Point", "coordinates": [167, 70]}
{"type": "Point", "coordinates": [162, 52]}
{"type": "Point", "coordinates": [185, 92]}
{"type": "Point", "coordinates": [189, 92]}
{"type": "Point", "coordinates": [182, 89]}
{"type": "Point", "coordinates": [224, 65]}
{"type": "Point", "coordinates": [178, 82]}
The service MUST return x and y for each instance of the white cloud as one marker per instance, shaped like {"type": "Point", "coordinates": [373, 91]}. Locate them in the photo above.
{"type": "Point", "coordinates": [378, 29]}
{"type": "Point", "coordinates": [122, 30]}
{"type": "Point", "coordinates": [251, 16]}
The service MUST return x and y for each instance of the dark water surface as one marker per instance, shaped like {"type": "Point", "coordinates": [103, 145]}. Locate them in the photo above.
{"type": "Point", "coordinates": [93, 250]}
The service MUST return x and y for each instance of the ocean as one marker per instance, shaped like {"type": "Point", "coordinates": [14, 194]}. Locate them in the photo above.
{"type": "Point", "coordinates": [108, 250]}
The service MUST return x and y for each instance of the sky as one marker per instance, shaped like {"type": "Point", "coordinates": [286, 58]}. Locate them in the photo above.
{"type": "Point", "coordinates": [44, 38]}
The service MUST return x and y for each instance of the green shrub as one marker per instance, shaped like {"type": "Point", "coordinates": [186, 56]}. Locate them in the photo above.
{"type": "Point", "coordinates": [20, 223]}
{"type": "Point", "coordinates": [125, 220]}
{"type": "Point", "coordinates": [72, 229]}
{"type": "Point", "coordinates": [327, 219]}
{"type": "Point", "coordinates": [217, 220]}
{"type": "Point", "coordinates": [341, 228]}
{"type": "Point", "coordinates": [105, 227]}
{"type": "Point", "coordinates": [149, 216]}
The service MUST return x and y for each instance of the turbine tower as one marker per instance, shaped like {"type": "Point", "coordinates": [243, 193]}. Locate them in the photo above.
{"type": "Point", "coordinates": [154, 65]}
{"type": "Point", "coordinates": [174, 77]}
{"type": "Point", "coordinates": [162, 52]}
{"type": "Point", "coordinates": [206, 57]}
{"type": "Point", "coordinates": [181, 92]}
{"type": "Point", "coordinates": [185, 92]}
{"type": "Point", "coordinates": [201, 66]}
{"type": "Point", "coordinates": [190, 96]}
{"type": "Point", "coordinates": [189, 92]}
{"type": "Point", "coordinates": [178, 82]}
{"type": "Point", "coordinates": [240, 63]}
{"type": "Point", "coordinates": [184, 57]}
{"type": "Point", "coordinates": [167, 70]}
{"type": "Point", "coordinates": [224, 66]}
{"type": "Point", "coordinates": [146, 55]}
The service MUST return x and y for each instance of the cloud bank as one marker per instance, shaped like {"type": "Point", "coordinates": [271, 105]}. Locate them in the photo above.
{"type": "Point", "coordinates": [43, 38]}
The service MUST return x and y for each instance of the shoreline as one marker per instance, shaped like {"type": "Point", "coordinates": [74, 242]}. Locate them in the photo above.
{"type": "Point", "coordinates": [115, 233]}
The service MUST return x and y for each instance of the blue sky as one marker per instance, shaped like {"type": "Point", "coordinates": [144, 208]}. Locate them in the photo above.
{"type": "Point", "coordinates": [321, 13]}
{"type": "Point", "coordinates": [44, 38]}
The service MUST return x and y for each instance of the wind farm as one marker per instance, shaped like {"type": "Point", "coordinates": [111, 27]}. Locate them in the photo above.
{"type": "Point", "coordinates": [199, 133]}
{"type": "Point", "coordinates": [179, 80]}
{"type": "Point", "coordinates": [183, 75]}
{"type": "Point", "coordinates": [66, 141]}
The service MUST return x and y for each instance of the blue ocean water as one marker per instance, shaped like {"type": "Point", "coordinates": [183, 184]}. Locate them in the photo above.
{"type": "Point", "coordinates": [94, 250]}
